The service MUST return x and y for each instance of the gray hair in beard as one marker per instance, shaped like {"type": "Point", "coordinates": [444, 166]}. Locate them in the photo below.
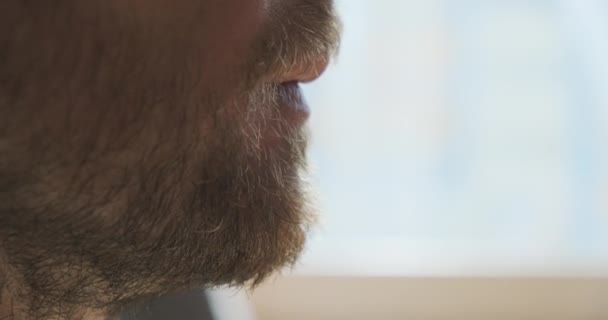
{"type": "Point", "coordinates": [244, 218]}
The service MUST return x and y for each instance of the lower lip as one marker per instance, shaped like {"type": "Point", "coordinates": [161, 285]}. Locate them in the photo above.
{"type": "Point", "coordinates": [293, 107]}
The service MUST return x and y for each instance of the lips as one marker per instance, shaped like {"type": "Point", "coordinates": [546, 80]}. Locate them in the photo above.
{"type": "Point", "coordinates": [292, 105]}
{"type": "Point", "coordinates": [305, 73]}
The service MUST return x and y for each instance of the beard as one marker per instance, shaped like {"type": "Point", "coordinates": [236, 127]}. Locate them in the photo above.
{"type": "Point", "coordinates": [227, 210]}
{"type": "Point", "coordinates": [156, 189]}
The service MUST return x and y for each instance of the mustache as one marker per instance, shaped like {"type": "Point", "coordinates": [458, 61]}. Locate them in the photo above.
{"type": "Point", "coordinates": [298, 35]}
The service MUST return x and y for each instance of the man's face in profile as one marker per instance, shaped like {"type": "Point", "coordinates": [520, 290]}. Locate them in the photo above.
{"type": "Point", "coordinates": [151, 146]}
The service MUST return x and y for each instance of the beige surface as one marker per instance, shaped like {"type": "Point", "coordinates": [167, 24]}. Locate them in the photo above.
{"type": "Point", "coordinates": [317, 298]}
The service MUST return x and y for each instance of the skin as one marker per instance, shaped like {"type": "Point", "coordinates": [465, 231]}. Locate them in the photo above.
{"type": "Point", "coordinates": [149, 147]}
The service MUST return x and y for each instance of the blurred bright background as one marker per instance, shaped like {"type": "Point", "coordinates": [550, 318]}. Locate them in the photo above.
{"type": "Point", "coordinates": [463, 137]}
{"type": "Point", "coordinates": [458, 140]}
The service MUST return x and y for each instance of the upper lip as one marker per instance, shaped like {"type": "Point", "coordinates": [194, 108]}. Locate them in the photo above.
{"type": "Point", "coordinates": [305, 72]}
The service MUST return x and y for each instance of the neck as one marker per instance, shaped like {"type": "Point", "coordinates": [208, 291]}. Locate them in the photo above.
{"type": "Point", "coordinates": [8, 309]}
{"type": "Point", "coordinates": [14, 302]}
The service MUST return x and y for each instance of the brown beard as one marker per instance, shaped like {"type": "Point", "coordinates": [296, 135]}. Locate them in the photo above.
{"type": "Point", "coordinates": [244, 218]}
{"type": "Point", "coordinates": [131, 207]}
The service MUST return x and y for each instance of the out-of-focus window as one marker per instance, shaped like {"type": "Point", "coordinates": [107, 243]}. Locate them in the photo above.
{"type": "Point", "coordinates": [463, 137]}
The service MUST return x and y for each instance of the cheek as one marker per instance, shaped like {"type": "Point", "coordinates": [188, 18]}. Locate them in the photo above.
{"type": "Point", "coordinates": [191, 50]}
{"type": "Point", "coordinates": [161, 60]}
{"type": "Point", "coordinates": [213, 36]}
{"type": "Point", "coordinates": [229, 28]}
